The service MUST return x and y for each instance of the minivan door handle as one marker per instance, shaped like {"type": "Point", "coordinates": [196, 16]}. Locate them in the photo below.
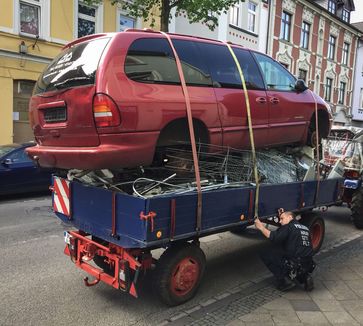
{"type": "Point", "coordinates": [274, 100]}
{"type": "Point", "coordinates": [261, 100]}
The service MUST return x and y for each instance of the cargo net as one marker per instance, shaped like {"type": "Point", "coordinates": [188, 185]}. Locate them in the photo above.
{"type": "Point", "coordinates": [340, 147]}
{"type": "Point", "coordinates": [219, 168]}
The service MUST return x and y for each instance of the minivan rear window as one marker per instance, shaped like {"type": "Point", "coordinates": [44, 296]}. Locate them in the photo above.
{"type": "Point", "coordinates": [75, 66]}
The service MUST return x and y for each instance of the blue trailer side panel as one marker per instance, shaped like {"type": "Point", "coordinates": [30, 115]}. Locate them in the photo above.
{"type": "Point", "coordinates": [92, 210]}
{"type": "Point", "coordinates": [219, 207]}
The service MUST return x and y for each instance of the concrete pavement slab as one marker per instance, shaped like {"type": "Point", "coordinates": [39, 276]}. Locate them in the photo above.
{"type": "Point", "coordinates": [329, 305]}
{"type": "Point", "coordinates": [340, 290]}
{"type": "Point", "coordinates": [320, 291]}
{"type": "Point", "coordinates": [304, 305]}
{"type": "Point", "coordinates": [312, 317]}
{"type": "Point", "coordinates": [339, 317]}
{"type": "Point", "coordinates": [296, 294]}
{"type": "Point", "coordinates": [284, 316]}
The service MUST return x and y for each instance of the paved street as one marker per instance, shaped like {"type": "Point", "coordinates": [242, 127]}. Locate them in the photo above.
{"type": "Point", "coordinates": [40, 285]}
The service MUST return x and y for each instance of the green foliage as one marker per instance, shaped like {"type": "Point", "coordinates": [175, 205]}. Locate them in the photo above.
{"type": "Point", "coordinates": [204, 11]}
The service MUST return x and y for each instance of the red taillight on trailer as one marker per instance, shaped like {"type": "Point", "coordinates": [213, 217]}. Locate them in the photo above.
{"type": "Point", "coordinates": [352, 174]}
{"type": "Point", "coordinates": [105, 111]}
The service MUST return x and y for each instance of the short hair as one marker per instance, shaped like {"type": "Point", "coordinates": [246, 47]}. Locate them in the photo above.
{"type": "Point", "coordinates": [289, 213]}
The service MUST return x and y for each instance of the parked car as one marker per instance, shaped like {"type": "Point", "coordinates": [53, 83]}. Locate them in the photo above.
{"type": "Point", "coordinates": [18, 173]}
{"type": "Point", "coordinates": [109, 100]}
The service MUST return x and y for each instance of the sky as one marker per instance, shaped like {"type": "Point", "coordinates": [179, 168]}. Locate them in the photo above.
{"type": "Point", "coordinates": [357, 15]}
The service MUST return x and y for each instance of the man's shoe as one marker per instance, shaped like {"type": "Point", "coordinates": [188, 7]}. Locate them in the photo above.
{"type": "Point", "coordinates": [283, 285]}
{"type": "Point", "coordinates": [309, 283]}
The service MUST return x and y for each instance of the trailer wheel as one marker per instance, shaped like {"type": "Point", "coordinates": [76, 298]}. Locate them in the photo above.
{"type": "Point", "coordinates": [357, 208]}
{"type": "Point", "coordinates": [178, 273]}
{"type": "Point", "coordinates": [316, 226]}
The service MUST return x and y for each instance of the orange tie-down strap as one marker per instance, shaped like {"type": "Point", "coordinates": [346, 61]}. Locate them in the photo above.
{"type": "Point", "coordinates": [191, 132]}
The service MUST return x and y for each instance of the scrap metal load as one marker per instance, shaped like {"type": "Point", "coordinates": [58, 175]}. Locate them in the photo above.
{"type": "Point", "coordinates": [345, 148]}
{"type": "Point", "coordinates": [230, 168]}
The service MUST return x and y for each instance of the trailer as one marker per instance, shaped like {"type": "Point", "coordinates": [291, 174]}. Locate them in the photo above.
{"type": "Point", "coordinates": [112, 235]}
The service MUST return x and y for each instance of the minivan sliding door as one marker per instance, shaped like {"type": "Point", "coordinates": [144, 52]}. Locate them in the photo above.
{"type": "Point", "coordinates": [230, 96]}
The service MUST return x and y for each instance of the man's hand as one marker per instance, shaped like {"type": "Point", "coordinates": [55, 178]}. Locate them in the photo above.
{"type": "Point", "coordinates": [259, 225]}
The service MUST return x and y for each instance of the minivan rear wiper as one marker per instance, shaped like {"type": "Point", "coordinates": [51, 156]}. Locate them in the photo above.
{"type": "Point", "coordinates": [73, 81]}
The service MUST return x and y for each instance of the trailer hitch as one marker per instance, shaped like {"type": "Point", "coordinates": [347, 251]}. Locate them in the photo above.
{"type": "Point", "coordinates": [91, 283]}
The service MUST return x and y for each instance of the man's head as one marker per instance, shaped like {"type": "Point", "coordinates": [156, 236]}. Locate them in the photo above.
{"type": "Point", "coordinates": [286, 217]}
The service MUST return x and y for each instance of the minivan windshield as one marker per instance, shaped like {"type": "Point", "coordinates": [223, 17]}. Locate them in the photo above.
{"type": "Point", "coordinates": [75, 66]}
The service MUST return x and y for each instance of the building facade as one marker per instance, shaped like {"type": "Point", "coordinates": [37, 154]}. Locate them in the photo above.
{"type": "Point", "coordinates": [357, 103]}
{"type": "Point", "coordinates": [245, 23]}
{"type": "Point", "coordinates": [32, 32]}
{"type": "Point", "coordinates": [315, 41]}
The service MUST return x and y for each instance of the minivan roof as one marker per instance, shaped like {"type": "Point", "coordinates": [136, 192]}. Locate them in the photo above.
{"type": "Point", "coordinates": [146, 30]}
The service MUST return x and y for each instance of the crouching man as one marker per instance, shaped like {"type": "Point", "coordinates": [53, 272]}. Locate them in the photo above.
{"type": "Point", "coordinates": [291, 247]}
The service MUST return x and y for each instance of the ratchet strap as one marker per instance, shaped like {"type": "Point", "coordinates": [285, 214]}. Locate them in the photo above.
{"type": "Point", "coordinates": [317, 147]}
{"type": "Point", "coordinates": [252, 140]}
{"type": "Point", "coordinates": [191, 132]}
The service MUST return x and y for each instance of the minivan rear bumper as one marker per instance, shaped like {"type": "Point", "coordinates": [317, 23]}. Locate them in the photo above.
{"type": "Point", "coordinates": [115, 151]}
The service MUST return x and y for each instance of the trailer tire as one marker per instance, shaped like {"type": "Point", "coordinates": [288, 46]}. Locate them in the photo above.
{"type": "Point", "coordinates": [316, 226]}
{"type": "Point", "coordinates": [357, 208]}
{"type": "Point", "coordinates": [178, 273]}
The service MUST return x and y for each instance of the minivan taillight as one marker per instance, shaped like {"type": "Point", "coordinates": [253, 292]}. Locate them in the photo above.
{"type": "Point", "coordinates": [105, 111]}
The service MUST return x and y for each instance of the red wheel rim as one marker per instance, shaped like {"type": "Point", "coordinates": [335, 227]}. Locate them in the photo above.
{"type": "Point", "coordinates": [316, 234]}
{"type": "Point", "coordinates": [185, 276]}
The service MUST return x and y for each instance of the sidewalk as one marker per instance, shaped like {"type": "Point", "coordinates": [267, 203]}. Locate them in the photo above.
{"type": "Point", "coordinates": [336, 300]}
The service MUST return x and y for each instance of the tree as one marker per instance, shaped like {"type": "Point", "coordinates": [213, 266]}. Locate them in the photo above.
{"type": "Point", "coordinates": [204, 11]}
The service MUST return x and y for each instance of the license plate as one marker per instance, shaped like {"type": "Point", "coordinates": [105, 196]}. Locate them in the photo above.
{"type": "Point", "coordinates": [67, 237]}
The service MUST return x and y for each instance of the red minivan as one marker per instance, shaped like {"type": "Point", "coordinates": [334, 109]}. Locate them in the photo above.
{"type": "Point", "coordinates": [109, 100]}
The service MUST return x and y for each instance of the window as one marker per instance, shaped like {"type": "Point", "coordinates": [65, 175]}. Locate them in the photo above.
{"type": "Point", "coordinates": [74, 66]}
{"type": "Point", "coordinates": [151, 60]}
{"type": "Point", "coordinates": [252, 16]}
{"type": "Point", "coordinates": [195, 69]}
{"type": "Point", "coordinates": [285, 26]}
{"type": "Point", "coordinates": [86, 20]}
{"type": "Point", "coordinates": [276, 76]}
{"type": "Point", "coordinates": [303, 74]}
{"type": "Point", "coordinates": [221, 65]}
{"type": "Point", "coordinates": [305, 34]}
{"type": "Point", "coordinates": [224, 71]}
{"type": "Point", "coordinates": [346, 15]}
{"type": "Point", "coordinates": [285, 65]}
{"type": "Point", "coordinates": [342, 92]}
{"type": "Point", "coordinates": [234, 15]}
{"type": "Point", "coordinates": [250, 70]}
{"type": "Point", "coordinates": [345, 53]}
{"type": "Point", "coordinates": [332, 6]}
{"type": "Point", "coordinates": [19, 156]}
{"type": "Point", "coordinates": [331, 47]}
{"type": "Point", "coordinates": [125, 22]}
{"type": "Point", "coordinates": [30, 13]}
{"type": "Point", "coordinates": [328, 88]}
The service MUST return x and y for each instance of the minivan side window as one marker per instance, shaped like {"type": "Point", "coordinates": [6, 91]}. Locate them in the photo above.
{"type": "Point", "coordinates": [224, 70]}
{"type": "Point", "coordinates": [250, 70]}
{"type": "Point", "coordinates": [151, 60]}
{"type": "Point", "coordinates": [221, 65]}
{"type": "Point", "coordinates": [277, 78]}
{"type": "Point", "coordinates": [195, 70]}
